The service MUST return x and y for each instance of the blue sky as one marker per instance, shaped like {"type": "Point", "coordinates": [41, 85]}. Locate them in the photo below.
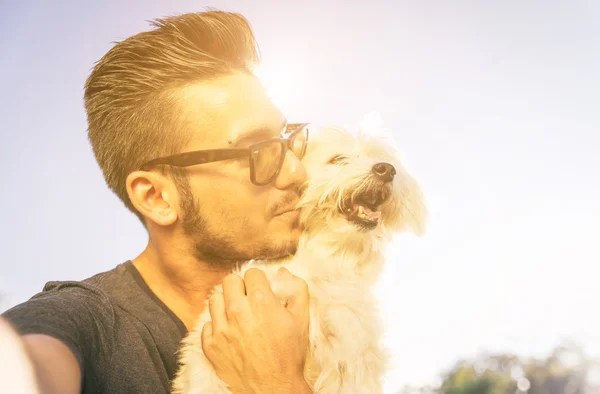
{"type": "Point", "coordinates": [494, 106]}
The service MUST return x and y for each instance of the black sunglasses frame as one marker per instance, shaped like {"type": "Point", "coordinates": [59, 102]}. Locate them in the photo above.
{"type": "Point", "coordinates": [188, 159]}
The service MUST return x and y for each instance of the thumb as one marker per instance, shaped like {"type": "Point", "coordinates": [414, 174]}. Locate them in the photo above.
{"type": "Point", "coordinates": [297, 294]}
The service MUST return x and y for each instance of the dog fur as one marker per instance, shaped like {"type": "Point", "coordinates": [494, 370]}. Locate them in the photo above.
{"type": "Point", "coordinates": [339, 259]}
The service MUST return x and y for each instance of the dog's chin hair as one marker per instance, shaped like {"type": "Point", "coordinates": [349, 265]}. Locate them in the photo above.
{"type": "Point", "coordinates": [327, 228]}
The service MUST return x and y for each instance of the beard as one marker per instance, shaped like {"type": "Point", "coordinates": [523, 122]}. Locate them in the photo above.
{"type": "Point", "coordinates": [221, 249]}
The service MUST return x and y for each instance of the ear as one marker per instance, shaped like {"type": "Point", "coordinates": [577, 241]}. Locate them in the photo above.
{"type": "Point", "coordinates": [414, 210]}
{"type": "Point", "coordinates": [409, 212]}
{"type": "Point", "coordinates": [154, 196]}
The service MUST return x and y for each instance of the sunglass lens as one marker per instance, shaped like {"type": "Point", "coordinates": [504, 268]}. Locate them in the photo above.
{"type": "Point", "coordinates": [266, 159]}
{"type": "Point", "coordinates": [298, 142]}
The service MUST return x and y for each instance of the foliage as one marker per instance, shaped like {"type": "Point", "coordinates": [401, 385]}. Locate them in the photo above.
{"type": "Point", "coordinates": [564, 371]}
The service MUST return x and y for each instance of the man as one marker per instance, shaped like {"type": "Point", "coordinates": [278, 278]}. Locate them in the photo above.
{"type": "Point", "coordinates": [185, 86]}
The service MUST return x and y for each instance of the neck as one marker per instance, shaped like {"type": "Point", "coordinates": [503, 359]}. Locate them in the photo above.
{"type": "Point", "coordinates": [178, 279]}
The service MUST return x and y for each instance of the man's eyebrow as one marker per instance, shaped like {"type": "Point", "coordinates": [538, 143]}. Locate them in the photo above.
{"type": "Point", "coordinates": [257, 135]}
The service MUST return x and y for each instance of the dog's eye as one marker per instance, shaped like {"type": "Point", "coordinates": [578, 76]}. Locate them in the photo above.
{"type": "Point", "coordinates": [338, 160]}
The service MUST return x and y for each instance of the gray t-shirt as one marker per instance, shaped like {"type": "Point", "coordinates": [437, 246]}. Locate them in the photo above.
{"type": "Point", "coordinates": [124, 338]}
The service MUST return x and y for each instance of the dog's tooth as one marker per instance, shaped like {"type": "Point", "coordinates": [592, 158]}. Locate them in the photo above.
{"type": "Point", "coordinates": [361, 212]}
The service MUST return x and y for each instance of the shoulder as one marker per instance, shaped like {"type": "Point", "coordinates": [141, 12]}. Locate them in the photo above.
{"type": "Point", "coordinates": [95, 294]}
{"type": "Point", "coordinates": [81, 314]}
{"type": "Point", "coordinates": [63, 298]}
{"type": "Point", "coordinates": [72, 297]}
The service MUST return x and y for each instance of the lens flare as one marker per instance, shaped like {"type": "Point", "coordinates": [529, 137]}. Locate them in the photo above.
{"type": "Point", "coordinates": [282, 84]}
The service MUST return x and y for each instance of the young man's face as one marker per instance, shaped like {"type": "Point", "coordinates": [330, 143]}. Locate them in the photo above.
{"type": "Point", "coordinates": [226, 216]}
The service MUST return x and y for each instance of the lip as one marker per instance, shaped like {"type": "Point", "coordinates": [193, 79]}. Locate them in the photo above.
{"type": "Point", "coordinates": [290, 213]}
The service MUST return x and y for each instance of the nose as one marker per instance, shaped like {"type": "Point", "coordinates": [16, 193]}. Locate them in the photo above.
{"type": "Point", "coordinates": [292, 173]}
{"type": "Point", "coordinates": [384, 171]}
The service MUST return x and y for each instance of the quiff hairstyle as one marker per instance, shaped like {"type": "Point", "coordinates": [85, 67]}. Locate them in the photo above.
{"type": "Point", "coordinates": [132, 94]}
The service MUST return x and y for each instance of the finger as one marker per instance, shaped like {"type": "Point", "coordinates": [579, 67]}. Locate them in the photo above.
{"type": "Point", "coordinates": [258, 287]}
{"type": "Point", "coordinates": [216, 307]}
{"type": "Point", "coordinates": [297, 293]}
{"type": "Point", "coordinates": [233, 288]}
{"type": "Point", "coordinates": [234, 294]}
{"type": "Point", "coordinates": [206, 335]}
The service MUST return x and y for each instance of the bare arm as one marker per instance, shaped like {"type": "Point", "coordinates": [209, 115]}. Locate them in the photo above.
{"type": "Point", "coordinates": [55, 366]}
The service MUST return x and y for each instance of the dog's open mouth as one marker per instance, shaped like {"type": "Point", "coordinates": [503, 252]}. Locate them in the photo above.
{"type": "Point", "coordinates": [363, 209]}
{"type": "Point", "coordinates": [364, 215]}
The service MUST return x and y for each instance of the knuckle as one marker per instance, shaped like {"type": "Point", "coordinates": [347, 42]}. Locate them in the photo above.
{"type": "Point", "coordinates": [207, 332]}
{"type": "Point", "coordinates": [220, 336]}
{"type": "Point", "coordinates": [208, 346]}
{"type": "Point", "coordinates": [258, 295]}
{"type": "Point", "coordinates": [235, 307]}
{"type": "Point", "coordinates": [212, 337]}
{"type": "Point", "coordinates": [208, 343]}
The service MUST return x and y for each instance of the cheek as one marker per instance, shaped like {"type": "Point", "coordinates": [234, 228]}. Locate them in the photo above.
{"type": "Point", "coordinates": [248, 203]}
{"type": "Point", "coordinates": [231, 200]}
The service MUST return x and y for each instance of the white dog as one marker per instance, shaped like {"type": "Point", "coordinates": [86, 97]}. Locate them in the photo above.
{"type": "Point", "coordinates": [357, 196]}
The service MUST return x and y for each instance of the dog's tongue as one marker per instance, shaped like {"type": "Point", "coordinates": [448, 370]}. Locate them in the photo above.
{"type": "Point", "coordinates": [366, 213]}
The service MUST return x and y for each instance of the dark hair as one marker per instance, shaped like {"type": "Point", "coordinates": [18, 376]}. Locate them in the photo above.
{"type": "Point", "coordinates": [131, 96]}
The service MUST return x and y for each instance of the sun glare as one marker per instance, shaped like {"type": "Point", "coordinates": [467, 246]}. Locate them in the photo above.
{"type": "Point", "coordinates": [281, 83]}
{"type": "Point", "coordinates": [372, 124]}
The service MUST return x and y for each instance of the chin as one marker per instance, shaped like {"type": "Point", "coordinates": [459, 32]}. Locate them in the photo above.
{"type": "Point", "coordinates": [279, 248]}
{"type": "Point", "coordinates": [281, 241]}
{"type": "Point", "coordinates": [358, 196]}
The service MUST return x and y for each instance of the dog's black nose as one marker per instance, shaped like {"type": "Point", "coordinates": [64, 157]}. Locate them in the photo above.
{"type": "Point", "coordinates": [384, 171]}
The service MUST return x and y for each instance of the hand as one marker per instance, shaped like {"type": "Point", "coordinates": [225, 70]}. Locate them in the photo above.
{"type": "Point", "coordinates": [256, 344]}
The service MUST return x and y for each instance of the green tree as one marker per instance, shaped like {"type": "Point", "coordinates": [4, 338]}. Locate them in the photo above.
{"type": "Point", "coordinates": [564, 371]}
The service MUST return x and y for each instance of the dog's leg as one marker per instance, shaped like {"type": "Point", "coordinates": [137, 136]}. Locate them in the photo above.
{"type": "Point", "coordinates": [196, 374]}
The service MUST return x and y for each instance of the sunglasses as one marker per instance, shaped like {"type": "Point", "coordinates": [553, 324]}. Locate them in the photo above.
{"type": "Point", "coordinates": [266, 157]}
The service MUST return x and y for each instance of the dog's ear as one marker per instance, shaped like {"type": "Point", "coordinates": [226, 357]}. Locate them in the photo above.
{"type": "Point", "coordinates": [410, 212]}
{"type": "Point", "coordinates": [415, 210]}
